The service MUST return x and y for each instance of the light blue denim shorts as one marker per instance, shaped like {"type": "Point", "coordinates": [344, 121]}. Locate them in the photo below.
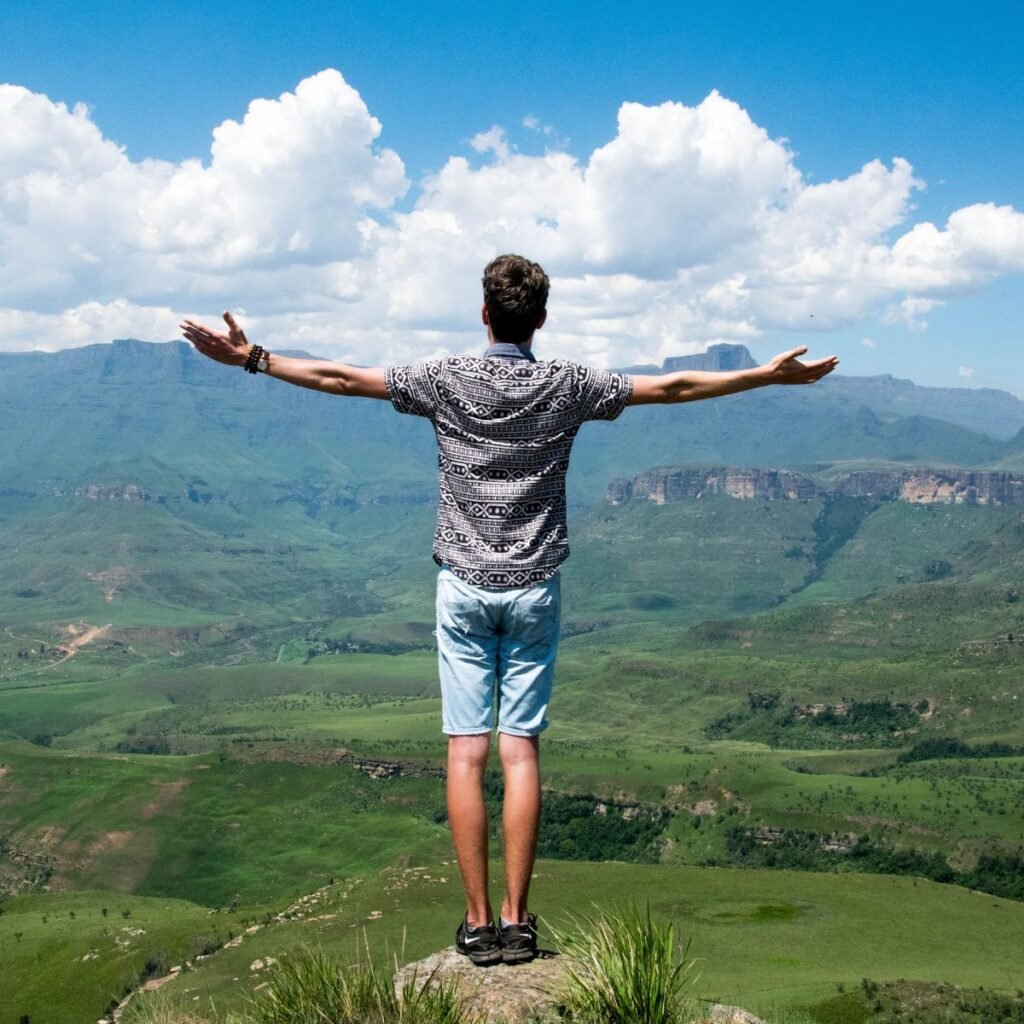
{"type": "Point", "coordinates": [496, 648]}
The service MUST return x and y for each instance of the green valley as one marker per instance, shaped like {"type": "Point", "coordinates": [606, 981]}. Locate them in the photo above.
{"type": "Point", "coordinates": [789, 712]}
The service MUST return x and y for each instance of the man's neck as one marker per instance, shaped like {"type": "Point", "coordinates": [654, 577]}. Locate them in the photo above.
{"type": "Point", "coordinates": [492, 340]}
{"type": "Point", "coordinates": [509, 350]}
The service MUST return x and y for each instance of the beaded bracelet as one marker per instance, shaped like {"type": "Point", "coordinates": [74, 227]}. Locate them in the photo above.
{"type": "Point", "coordinates": [255, 355]}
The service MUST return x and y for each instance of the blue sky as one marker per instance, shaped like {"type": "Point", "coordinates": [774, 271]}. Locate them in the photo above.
{"type": "Point", "coordinates": [938, 84]}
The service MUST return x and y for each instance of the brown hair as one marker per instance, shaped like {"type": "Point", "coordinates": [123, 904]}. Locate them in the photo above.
{"type": "Point", "coordinates": [516, 295]}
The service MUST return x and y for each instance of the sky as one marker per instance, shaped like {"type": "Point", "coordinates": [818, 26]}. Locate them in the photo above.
{"type": "Point", "coordinates": [846, 177]}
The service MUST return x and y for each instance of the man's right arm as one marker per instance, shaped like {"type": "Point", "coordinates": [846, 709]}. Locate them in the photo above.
{"type": "Point", "coordinates": [694, 385]}
{"type": "Point", "coordinates": [232, 349]}
{"type": "Point", "coordinates": [334, 378]}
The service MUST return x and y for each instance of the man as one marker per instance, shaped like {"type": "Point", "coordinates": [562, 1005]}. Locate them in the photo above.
{"type": "Point", "coordinates": [505, 424]}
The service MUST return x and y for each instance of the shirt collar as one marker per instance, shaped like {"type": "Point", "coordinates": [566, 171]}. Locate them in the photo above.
{"type": "Point", "coordinates": [506, 350]}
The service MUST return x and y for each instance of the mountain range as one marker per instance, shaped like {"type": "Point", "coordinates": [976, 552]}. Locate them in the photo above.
{"type": "Point", "coordinates": [161, 418]}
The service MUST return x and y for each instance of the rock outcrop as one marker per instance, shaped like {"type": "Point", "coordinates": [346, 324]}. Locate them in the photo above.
{"type": "Point", "coordinates": [936, 487]}
{"type": "Point", "coordinates": [507, 994]}
{"type": "Point", "coordinates": [721, 1014]}
{"type": "Point", "coordinates": [665, 486]}
{"type": "Point", "coordinates": [916, 486]}
{"type": "Point", "coordinates": [503, 993]}
{"type": "Point", "coordinates": [104, 492]}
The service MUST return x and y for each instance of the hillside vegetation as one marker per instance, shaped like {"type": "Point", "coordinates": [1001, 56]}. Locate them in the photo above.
{"type": "Point", "coordinates": [793, 724]}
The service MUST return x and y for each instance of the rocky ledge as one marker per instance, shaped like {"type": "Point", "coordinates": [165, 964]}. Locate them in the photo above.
{"type": "Point", "coordinates": [505, 993]}
{"type": "Point", "coordinates": [918, 486]}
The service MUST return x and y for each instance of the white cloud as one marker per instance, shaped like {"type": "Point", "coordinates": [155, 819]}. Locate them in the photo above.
{"type": "Point", "coordinates": [24, 330]}
{"type": "Point", "coordinates": [493, 141]}
{"type": "Point", "coordinates": [536, 125]}
{"type": "Point", "coordinates": [965, 371]}
{"type": "Point", "coordinates": [292, 183]}
{"type": "Point", "coordinates": [690, 225]}
{"type": "Point", "coordinates": [869, 342]}
{"type": "Point", "coordinates": [678, 187]}
{"type": "Point", "coordinates": [911, 312]}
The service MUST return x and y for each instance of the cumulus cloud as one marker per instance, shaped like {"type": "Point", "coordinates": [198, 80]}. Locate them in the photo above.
{"type": "Point", "coordinates": [25, 330]}
{"type": "Point", "coordinates": [293, 182]}
{"type": "Point", "coordinates": [690, 225]}
{"type": "Point", "coordinates": [911, 312]}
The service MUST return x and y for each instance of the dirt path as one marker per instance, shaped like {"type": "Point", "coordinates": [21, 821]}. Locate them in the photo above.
{"type": "Point", "coordinates": [77, 641]}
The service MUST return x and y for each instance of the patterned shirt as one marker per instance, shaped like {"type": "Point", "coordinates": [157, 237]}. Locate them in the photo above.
{"type": "Point", "coordinates": [505, 425]}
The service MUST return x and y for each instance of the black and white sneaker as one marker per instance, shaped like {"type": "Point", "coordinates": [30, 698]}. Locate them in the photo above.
{"type": "Point", "coordinates": [480, 944]}
{"type": "Point", "coordinates": [519, 941]}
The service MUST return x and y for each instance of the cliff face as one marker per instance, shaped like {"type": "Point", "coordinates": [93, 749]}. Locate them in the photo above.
{"type": "Point", "coordinates": [104, 492]}
{"type": "Point", "coordinates": [664, 486]}
{"type": "Point", "coordinates": [936, 487]}
{"type": "Point", "coordinates": [918, 486]}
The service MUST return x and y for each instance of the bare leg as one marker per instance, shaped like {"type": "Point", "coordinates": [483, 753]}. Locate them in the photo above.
{"type": "Point", "coordinates": [520, 761]}
{"type": "Point", "coordinates": [467, 815]}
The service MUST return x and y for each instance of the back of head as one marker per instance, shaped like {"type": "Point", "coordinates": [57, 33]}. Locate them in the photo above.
{"type": "Point", "coordinates": [516, 295]}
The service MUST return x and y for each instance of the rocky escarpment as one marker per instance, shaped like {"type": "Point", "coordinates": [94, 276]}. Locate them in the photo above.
{"type": "Point", "coordinates": [671, 484]}
{"type": "Point", "coordinates": [935, 487]}
{"type": "Point", "coordinates": [104, 492]}
{"type": "Point", "coordinates": [665, 486]}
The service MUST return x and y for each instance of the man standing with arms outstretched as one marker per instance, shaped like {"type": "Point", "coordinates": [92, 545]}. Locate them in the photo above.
{"type": "Point", "coordinates": [505, 423]}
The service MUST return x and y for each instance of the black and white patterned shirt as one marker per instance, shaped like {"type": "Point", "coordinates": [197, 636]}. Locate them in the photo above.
{"type": "Point", "coordinates": [505, 425]}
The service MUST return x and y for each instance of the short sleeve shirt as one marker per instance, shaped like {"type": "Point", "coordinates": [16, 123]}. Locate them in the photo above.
{"type": "Point", "coordinates": [505, 424]}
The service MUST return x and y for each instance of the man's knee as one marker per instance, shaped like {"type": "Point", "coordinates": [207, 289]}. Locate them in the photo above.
{"type": "Point", "coordinates": [517, 751]}
{"type": "Point", "coordinates": [468, 753]}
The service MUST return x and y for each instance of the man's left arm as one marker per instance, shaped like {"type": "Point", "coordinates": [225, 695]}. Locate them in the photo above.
{"type": "Point", "coordinates": [694, 385]}
{"type": "Point", "coordinates": [232, 349]}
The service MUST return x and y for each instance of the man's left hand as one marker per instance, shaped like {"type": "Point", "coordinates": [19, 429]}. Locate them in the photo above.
{"type": "Point", "coordinates": [232, 348]}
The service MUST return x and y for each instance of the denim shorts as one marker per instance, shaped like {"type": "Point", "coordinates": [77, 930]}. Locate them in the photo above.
{"type": "Point", "coordinates": [496, 647]}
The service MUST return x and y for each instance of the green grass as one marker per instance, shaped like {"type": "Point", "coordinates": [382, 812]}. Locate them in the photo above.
{"type": "Point", "coordinates": [680, 564]}
{"type": "Point", "coordinates": [314, 988]}
{"type": "Point", "coordinates": [626, 723]}
{"type": "Point", "coordinates": [261, 658]}
{"type": "Point", "coordinates": [212, 831]}
{"type": "Point", "coordinates": [766, 940]}
{"type": "Point", "coordinates": [165, 565]}
{"type": "Point", "coordinates": [897, 543]}
{"type": "Point", "coordinates": [63, 958]}
{"type": "Point", "coordinates": [155, 1007]}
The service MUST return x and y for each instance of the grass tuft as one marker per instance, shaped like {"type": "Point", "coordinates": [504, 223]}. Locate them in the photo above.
{"type": "Point", "coordinates": [158, 1007]}
{"type": "Point", "coordinates": [314, 988]}
{"type": "Point", "coordinates": [627, 968]}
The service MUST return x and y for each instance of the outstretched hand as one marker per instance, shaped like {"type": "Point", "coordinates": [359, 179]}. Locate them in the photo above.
{"type": "Point", "coordinates": [785, 368]}
{"type": "Point", "coordinates": [231, 348]}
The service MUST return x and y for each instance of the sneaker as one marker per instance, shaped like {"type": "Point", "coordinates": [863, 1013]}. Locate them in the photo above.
{"type": "Point", "coordinates": [481, 944]}
{"type": "Point", "coordinates": [519, 941]}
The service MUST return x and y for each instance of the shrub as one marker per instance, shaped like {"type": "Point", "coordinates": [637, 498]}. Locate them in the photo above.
{"type": "Point", "coordinates": [626, 969]}
{"type": "Point", "coordinates": [204, 945]}
{"type": "Point", "coordinates": [157, 965]}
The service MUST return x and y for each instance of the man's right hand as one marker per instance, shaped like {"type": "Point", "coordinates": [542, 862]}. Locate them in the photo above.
{"type": "Point", "coordinates": [785, 368]}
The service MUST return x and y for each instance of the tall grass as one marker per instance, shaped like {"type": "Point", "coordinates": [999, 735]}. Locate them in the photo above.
{"type": "Point", "coordinates": [627, 968]}
{"type": "Point", "coordinates": [314, 988]}
{"type": "Point", "coordinates": [158, 1007]}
